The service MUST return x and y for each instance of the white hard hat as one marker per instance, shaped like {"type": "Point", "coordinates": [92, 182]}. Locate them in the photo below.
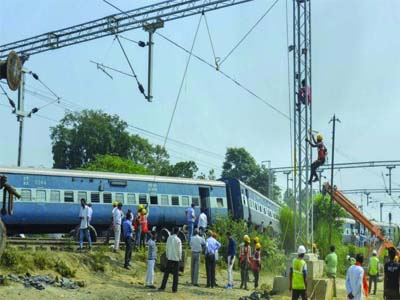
{"type": "Point", "coordinates": [374, 252]}
{"type": "Point", "coordinates": [301, 250]}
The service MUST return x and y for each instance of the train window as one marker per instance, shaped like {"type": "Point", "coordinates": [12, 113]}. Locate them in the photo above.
{"type": "Point", "coordinates": [164, 200]}
{"type": "Point", "coordinates": [195, 201]}
{"type": "Point", "coordinates": [26, 195]}
{"type": "Point", "coordinates": [142, 199]}
{"type": "Point", "coordinates": [119, 197]}
{"type": "Point", "coordinates": [154, 200]}
{"type": "Point", "coordinates": [265, 211]}
{"type": "Point", "coordinates": [82, 195]}
{"type": "Point", "coordinates": [95, 197]}
{"type": "Point", "coordinates": [131, 198]}
{"type": "Point", "coordinates": [55, 196]}
{"type": "Point", "coordinates": [185, 201]}
{"type": "Point", "coordinates": [175, 200]}
{"type": "Point", "coordinates": [107, 198]}
{"type": "Point", "coordinates": [220, 202]}
{"type": "Point", "coordinates": [68, 196]}
{"type": "Point", "coordinates": [41, 195]}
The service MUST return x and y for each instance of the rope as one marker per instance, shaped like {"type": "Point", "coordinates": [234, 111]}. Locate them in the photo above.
{"type": "Point", "coordinates": [216, 59]}
{"type": "Point", "coordinates": [248, 33]}
{"type": "Point", "coordinates": [140, 86]}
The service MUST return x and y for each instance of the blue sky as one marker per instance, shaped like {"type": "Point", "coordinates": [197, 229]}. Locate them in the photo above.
{"type": "Point", "coordinates": [355, 75]}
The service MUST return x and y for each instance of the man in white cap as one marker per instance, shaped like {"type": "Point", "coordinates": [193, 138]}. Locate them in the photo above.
{"type": "Point", "coordinates": [373, 271]}
{"type": "Point", "coordinates": [298, 276]}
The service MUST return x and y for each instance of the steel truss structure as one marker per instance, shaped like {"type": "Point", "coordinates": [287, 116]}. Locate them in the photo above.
{"type": "Point", "coordinates": [114, 24]}
{"type": "Point", "coordinates": [302, 120]}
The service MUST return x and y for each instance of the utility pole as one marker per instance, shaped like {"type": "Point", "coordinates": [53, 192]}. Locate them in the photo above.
{"type": "Point", "coordinates": [333, 120]}
{"type": "Point", "coordinates": [151, 28]}
{"type": "Point", "coordinates": [287, 173]}
{"type": "Point", "coordinates": [320, 179]}
{"type": "Point", "coordinates": [390, 178]}
{"type": "Point", "coordinates": [20, 116]}
{"type": "Point", "coordinates": [368, 197]}
{"type": "Point", "coordinates": [270, 186]}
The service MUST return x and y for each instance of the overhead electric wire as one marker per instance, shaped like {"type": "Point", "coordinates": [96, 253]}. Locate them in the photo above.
{"type": "Point", "coordinates": [248, 32]}
{"type": "Point", "coordinates": [10, 101]}
{"type": "Point", "coordinates": [216, 60]}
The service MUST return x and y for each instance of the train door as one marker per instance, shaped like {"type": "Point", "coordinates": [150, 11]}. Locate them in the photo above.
{"type": "Point", "coordinates": [204, 193]}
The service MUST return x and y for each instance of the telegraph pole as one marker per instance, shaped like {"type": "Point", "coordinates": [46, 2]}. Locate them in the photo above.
{"type": "Point", "coordinates": [333, 120]}
{"type": "Point", "coordinates": [390, 178]}
{"type": "Point", "coordinates": [287, 173]}
{"type": "Point", "coordinates": [20, 116]}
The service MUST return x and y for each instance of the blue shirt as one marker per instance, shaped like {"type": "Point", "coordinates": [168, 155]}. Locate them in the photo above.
{"type": "Point", "coordinates": [190, 214]}
{"type": "Point", "coordinates": [152, 255]}
{"type": "Point", "coordinates": [231, 247]}
{"type": "Point", "coordinates": [212, 245]}
{"type": "Point", "coordinates": [127, 228]}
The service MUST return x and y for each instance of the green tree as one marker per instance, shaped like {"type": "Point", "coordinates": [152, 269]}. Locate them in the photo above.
{"type": "Point", "coordinates": [111, 163]}
{"type": "Point", "coordinates": [186, 169]}
{"type": "Point", "coordinates": [286, 219]}
{"type": "Point", "coordinates": [82, 135]}
{"type": "Point", "coordinates": [211, 175]}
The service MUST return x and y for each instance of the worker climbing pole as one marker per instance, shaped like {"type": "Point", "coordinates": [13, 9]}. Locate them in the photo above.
{"type": "Point", "coordinates": [322, 151]}
{"type": "Point", "coordinates": [302, 120]}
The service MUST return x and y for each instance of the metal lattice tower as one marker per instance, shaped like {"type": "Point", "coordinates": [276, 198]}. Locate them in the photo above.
{"type": "Point", "coordinates": [302, 120]}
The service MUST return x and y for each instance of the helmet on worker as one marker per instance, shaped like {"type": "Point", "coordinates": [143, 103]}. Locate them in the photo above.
{"type": "Point", "coordinates": [140, 206]}
{"type": "Point", "coordinates": [258, 246]}
{"type": "Point", "coordinates": [144, 211]}
{"type": "Point", "coordinates": [246, 238]}
{"type": "Point", "coordinates": [115, 203]}
{"type": "Point", "coordinates": [301, 250]}
{"type": "Point", "coordinates": [256, 239]}
{"type": "Point", "coordinates": [319, 138]}
{"type": "Point", "coordinates": [374, 253]}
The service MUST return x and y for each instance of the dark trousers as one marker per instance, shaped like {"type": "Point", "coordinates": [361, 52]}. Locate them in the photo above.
{"type": "Point", "coordinates": [299, 293]}
{"type": "Point", "coordinates": [244, 274]}
{"type": "Point", "coordinates": [314, 166]}
{"type": "Point", "coordinates": [374, 279]}
{"type": "Point", "coordinates": [143, 239]}
{"type": "Point", "coordinates": [390, 294]}
{"type": "Point", "coordinates": [128, 250]}
{"type": "Point", "coordinates": [172, 267]}
{"type": "Point", "coordinates": [256, 277]}
{"type": "Point", "coordinates": [210, 270]}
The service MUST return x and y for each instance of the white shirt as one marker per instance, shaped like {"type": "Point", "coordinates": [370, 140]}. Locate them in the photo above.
{"type": "Point", "coordinates": [354, 282]}
{"type": "Point", "coordinates": [90, 213]}
{"type": "Point", "coordinates": [203, 220]}
{"type": "Point", "coordinates": [174, 248]}
{"type": "Point", "coordinates": [196, 242]}
{"type": "Point", "coordinates": [117, 216]}
{"type": "Point", "coordinates": [84, 214]}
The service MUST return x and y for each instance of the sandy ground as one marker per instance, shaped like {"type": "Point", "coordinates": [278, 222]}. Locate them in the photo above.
{"type": "Point", "coordinates": [118, 283]}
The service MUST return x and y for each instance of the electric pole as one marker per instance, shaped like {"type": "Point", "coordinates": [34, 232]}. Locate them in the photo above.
{"type": "Point", "coordinates": [333, 120]}
{"type": "Point", "coordinates": [20, 116]}
{"type": "Point", "coordinates": [390, 178]}
{"type": "Point", "coordinates": [287, 173]}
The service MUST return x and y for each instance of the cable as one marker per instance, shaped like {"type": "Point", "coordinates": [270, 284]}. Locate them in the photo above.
{"type": "Point", "coordinates": [248, 33]}
{"type": "Point", "coordinates": [10, 101]}
{"type": "Point", "coordinates": [216, 59]}
{"type": "Point", "coordinates": [140, 86]}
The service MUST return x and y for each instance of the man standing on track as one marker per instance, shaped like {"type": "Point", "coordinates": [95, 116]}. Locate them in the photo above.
{"type": "Point", "coordinates": [231, 253]}
{"type": "Point", "coordinates": [298, 275]}
{"type": "Point", "coordinates": [117, 221]}
{"type": "Point", "coordinates": [190, 217]}
{"type": "Point", "coordinates": [202, 224]}
{"type": "Point", "coordinates": [84, 226]}
{"type": "Point", "coordinates": [127, 232]}
{"type": "Point", "coordinates": [212, 245]}
{"type": "Point", "coordinates": [373, 271]}
{"type": "Point", "coordinates": [392, 278]}
{"type": "Point", "coordinates": [331, 267]}
{"type": "Point", "coordinates": [356, 281]}
{"type": "Point", "coordinates": [196, 245]}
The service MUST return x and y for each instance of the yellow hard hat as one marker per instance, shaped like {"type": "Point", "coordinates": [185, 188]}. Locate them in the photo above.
{"type": "Point", "coordinates": [396, 258]}
{"type": "Point", "coordinates": [258, 246]}
{"type": "Point", "coordinates": [256, 239]}
{"type": "Point", "coordinates": [140, 206]}
{"type": "Point", "coordinates": [115, 203]}
{"type": "Point", "coordinates": [144, 211]}
{"type": "Point", "coordinates": [319, 138]}
{"type": "Point", "coordinates": [246, 238]}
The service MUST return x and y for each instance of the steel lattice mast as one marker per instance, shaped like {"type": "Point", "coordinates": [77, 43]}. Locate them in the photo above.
{"type": "Point", "coordinates": [114, 24]}
{"type": "Point", "coordinates": [302, 120]}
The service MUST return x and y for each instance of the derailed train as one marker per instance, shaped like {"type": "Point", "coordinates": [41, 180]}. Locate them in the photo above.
{"type": "Point", "coordinates": [50, 199]}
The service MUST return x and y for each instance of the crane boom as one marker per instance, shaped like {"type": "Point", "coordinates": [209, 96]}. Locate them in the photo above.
{"type": "Point", "coordinates": [114, 24]}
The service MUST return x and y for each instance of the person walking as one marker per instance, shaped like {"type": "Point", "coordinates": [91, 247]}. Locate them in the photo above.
{"type": "Point", "coordinates": [392, 277]}
{"type": "Point", "coordinates": [331, 267]}
{"type": "Point", "coordinates": [356, 281]}
{"type": "Point", "coordinates": [256, 264]}
{"type": "Point", "coordinates": [298, 275]}
{"type": "Point", "coordinates": [245, 261]}
{"type": "Point", "coordinates": [174, 255]}
{"type": "Point", "coordinates": [84, 225]}
{"type": "Point", "coordinates": [191, 218]}
{"type": "Point", "coordinates": [212, 246]}
{"type": "Point", "coordinates": [127, 233]}
{"type": "Point", "coordinates": [151, 260]}
{"type": "Point", "coordinates": [231, 253]}
{"type": "Point", "coordinates": [117, 221]}
{"type": "Point", "coordinates": [196, 245]}
{"type": "Point", "coordinates": [203, 222]}
{"type": "Point", "coordinates": [373, 271]}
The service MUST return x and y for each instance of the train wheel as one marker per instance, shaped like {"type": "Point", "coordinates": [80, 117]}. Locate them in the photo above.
{"type": "Point", "coordinates": [3, 237]}
{"type": "Point", "coordinates": [163, 235]}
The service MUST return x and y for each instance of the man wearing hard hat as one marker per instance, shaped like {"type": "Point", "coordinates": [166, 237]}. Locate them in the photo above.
{"type": "Point", "coordinates": [373, 271]}
{"type": "Point", "coordinates": [298, 275]}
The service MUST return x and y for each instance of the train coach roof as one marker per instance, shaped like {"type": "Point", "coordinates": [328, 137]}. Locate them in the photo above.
{"type": "Point", "coordinates": [107, 175]}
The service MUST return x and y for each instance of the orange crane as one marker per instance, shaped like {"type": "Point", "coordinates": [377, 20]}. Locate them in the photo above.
{"type": "Point", "coordinates": [352, 209]}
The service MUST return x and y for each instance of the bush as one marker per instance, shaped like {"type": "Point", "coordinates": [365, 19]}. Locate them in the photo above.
{"type": "Point", "coordinates": [42, 261]}
{"type": "Point", "coordinates": [64, 270]}
{"type": "Point", "coordinates": [10, 258]}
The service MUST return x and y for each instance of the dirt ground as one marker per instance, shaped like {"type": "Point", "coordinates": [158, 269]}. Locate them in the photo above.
{"type": "Point", "coordinates": [117, 283]}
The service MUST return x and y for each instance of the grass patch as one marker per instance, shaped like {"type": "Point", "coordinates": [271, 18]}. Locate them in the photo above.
{"type": "Point", "coordinates": [64, 270]}
{"type": "Point", "coordinates": [42, 261]}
